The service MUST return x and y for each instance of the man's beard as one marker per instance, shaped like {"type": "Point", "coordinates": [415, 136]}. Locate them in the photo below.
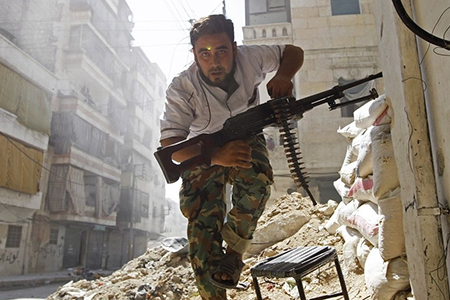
{"type": "Point", "coordinates": [219, 83]}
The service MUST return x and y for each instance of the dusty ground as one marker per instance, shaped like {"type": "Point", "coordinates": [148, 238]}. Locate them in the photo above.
{"type": "Point", "coordinates": [159, 274]}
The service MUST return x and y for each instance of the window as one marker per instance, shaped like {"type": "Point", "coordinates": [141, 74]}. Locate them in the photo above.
{"type": "Point", "coordinates": [14, 236]}
{"type": "Point", "coordinates": [276, 4]}
{"type": "Point", "coordinates": [90, 190]}
{"type": "Point", "coordinates": [352, 93]}
{"type": "Point", "coordinates": [262, 12]}
{"type": "Point", "coordinates": [345, 7]}
{"type": "Point", "coordinates": [53, 237]}
{"type": "Point", "coordinates": [144, 201]}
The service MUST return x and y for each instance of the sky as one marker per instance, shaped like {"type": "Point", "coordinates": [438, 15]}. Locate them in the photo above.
{"type": "Point", "coordinates": [162, 28]}
{"type": "Point", "coordinates": [162, 31]}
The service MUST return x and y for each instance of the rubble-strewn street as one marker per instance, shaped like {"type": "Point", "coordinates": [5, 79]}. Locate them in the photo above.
{"type": "Point", "coordinates": [289, 222]}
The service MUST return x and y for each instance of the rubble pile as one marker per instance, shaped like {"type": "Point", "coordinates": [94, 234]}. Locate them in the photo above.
{"type": "Point", "coordinates": [159, 274]}
{"type": "Point", "coordinates": [365, 228]}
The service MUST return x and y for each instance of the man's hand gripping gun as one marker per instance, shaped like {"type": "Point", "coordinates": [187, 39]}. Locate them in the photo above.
{"type": "Point", "coordinates": [275, 112]}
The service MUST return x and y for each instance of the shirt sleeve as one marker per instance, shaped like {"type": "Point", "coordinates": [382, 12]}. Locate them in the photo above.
{"type": "Point", "coordinates": [268, 57]}
{"type": "Point", "coordinates": [177, 115]}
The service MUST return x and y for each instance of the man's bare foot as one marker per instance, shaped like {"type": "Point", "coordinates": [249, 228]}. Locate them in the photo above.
{"type": "Point", "coordinates": [224, 276]}
{"type": "Point", "coordinates": [229, 269]}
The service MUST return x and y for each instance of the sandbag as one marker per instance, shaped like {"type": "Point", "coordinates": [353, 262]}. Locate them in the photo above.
{"type": "Point", "coordinates": [385, 173]}
{"type": "Point", "coordinates": [349, 156]}
{"type": "Point", "coordinates": [365, 219]}
{"type": "Point", "coordinates": [346, 211]}
{"type": "Point", "coordinates": [362, 251]}
{"type": "Point", "coordinates": [391, 237]}
{"type": "Point", "coordinates": [340, 216]}
{"type": "Point", "coordinates": [348, 167]}
{"type": "Point", "coordinates": [384, 118]}
{"type": "Point", "coordinates": [342, 189]}
{"type": "Point", "coordinates": [384, 279]}
{"type": "Point", "coordinates": [365, 116]}
{"type": "Point", "coordinates": [348, 234]}
{"type": "Point", "coordinates": [350, 131]}
{"type": "Point", "coordinates": [333, 224]}
{"type": "Point", "coordinates": [348, 173]}
{"type": "Point", "coordinates": [356, 142]}
{"type": "Point", "coordinates": [364, 164]}
{"type": "Point", "coordinates": [351, 238]}
{"type": "Point", "coordinates": [362, 189]}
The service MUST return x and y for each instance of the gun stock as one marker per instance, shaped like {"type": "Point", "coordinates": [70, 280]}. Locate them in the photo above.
{"type": "Point", "coordinates": [172, 170]}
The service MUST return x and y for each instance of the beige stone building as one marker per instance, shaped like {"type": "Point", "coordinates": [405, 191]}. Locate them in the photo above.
{"type": "Point", "coordinates": [340, 45]}
{"type": "Point", "coordinates": [79, 124]}
{"type": "Point", "coordinates": [410, 47]}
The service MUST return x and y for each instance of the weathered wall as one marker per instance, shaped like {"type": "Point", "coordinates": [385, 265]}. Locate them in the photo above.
{"type": "Point", "coordinates": [12, 260]}
{"type": "Point", "coordinates": [434, 65]}
{"type": "Point", "coordinates": [34, 36]}
{"type": "Point", "coordinates": [418, 133]}
{"type": "Point", "coordinates": [45, 257]}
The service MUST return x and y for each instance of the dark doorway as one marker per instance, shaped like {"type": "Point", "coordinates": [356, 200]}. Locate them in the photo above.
{"type": "Point", "coordinates": [72, 242]}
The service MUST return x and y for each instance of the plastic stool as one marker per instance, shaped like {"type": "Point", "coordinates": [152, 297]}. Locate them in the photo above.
{"type": "Point", "coordinates": [297, 263]}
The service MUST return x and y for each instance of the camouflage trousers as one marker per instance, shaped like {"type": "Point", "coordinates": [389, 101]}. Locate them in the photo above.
{"type": "Point", "coordinates": [202, 202]}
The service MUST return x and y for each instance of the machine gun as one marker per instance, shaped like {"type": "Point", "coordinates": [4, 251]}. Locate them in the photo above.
{"type": "Point", "coordinates": [275, 112]}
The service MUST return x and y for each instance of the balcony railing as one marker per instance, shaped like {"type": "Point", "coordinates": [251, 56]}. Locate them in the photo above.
{"type": "Point", "coordinates": [268, 31]}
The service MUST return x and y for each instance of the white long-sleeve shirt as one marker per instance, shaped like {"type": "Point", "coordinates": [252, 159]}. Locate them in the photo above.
{"type": "Point", "coordinates": [193, 107]}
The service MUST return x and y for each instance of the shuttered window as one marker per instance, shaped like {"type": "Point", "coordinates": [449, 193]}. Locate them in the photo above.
{"type": "Point", "coordinates": [20, 166]}
{"type": "Point", "coordinates": [14, 236]}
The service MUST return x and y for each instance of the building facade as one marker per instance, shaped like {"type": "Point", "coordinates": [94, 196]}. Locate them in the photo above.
{"type": "Point", "coordinates": [79, 107]}
{"type": "Point", "coordinates": [340, 45]}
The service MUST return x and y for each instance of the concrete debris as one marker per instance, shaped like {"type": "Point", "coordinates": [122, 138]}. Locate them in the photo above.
{"type": "Point", "coordinates": [160, 274]}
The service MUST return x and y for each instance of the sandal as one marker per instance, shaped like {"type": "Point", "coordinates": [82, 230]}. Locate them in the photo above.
{"type": "Point", "coordinates": [232, 266]}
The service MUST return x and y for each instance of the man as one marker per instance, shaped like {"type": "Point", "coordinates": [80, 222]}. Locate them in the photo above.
{"type": "Point", "coordinates": [222, 83]}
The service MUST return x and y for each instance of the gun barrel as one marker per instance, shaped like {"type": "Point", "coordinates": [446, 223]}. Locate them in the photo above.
{"type": "Point", "coordinates": [359, 81]}
{"type": "Point", "coordinates": [309, 102]}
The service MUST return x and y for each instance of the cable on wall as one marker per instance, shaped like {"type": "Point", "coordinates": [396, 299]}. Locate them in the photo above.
{"type": "Point", "coordinates": [416, 29]}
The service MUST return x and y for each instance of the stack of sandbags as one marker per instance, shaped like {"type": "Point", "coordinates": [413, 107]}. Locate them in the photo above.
{"type": "Point", "coordinates": [371, 202]}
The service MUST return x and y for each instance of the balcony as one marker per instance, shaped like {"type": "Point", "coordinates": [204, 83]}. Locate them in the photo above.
{"type": "Point", "coordinates": [112, 19]}
{"type": "Point", "coordinates": [90, 57]}
{"type": "Point", "coordinates": [79, 64]}
{"type": "Point", "coordinates": [88, 163]}
{"type": "Point", "coordinates": [79, 143]}
{"type": "Point", "coordinates": [76, 195]}
{"type": "Point", "coordinates": [85, 110]}
{"type": "Point", "coordinates": [279, 33]}
{"type": "Point", "coordinates": [89, 219]}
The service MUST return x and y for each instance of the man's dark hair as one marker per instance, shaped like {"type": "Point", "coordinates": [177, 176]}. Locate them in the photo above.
{"type": "Point", "coordinates": [212, 24]}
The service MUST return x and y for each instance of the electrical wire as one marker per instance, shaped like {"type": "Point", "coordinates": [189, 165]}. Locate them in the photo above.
{"type": "Point", "coordinates": [432, 32]}
{"type": "Point", "coordinates": [416, 29]}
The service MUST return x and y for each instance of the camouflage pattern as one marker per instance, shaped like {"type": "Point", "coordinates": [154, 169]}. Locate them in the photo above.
{"type": "Point", "coordinates": [202, 202]}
